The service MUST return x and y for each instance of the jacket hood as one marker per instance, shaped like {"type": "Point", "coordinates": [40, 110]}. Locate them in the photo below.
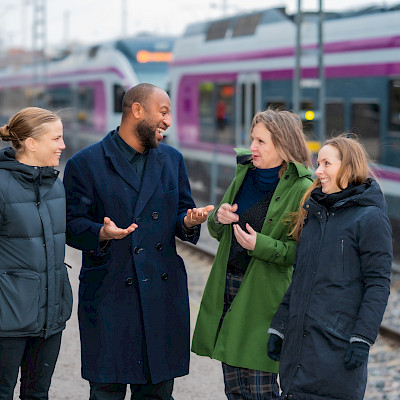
{"type": "Point", "coordinates": [21, 171]}
{"type": "Point", "coordinates": [245, 156]}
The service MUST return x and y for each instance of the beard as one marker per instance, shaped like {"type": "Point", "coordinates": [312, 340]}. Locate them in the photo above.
{"type": "Point", "coordinates": [147, 135]}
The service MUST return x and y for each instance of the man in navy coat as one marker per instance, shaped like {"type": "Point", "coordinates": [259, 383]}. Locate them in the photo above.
{"type": "Point", "coordinates": [128, 196]}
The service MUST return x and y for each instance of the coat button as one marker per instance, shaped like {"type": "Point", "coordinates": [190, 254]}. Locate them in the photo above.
{"type": "Point", "coordinates": [136, 250]}
{"type": "Point", "coordinates": [164, 276]}
{"type": "Point", "coordinates": [287, 177]}
{"type": "Point", "coordinates": [159, 246]}
{"type": "Point", "coordinates": [128, 282]}
{"type": "Point", "coordinates": [276, 254]}
{"type": "Point", "coordinates": [154, 215]}
{"type": "Point", "coordinates": [270, 220]}
{"type": "Point", "coordinates": [277, 199]}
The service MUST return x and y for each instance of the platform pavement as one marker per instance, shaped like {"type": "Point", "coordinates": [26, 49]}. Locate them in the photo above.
{"type": "Point", "coordinates": [204, 381]}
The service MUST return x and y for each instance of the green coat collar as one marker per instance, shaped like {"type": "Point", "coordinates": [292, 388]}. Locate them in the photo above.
{"type": "Point", "coordinates": [244, 157]}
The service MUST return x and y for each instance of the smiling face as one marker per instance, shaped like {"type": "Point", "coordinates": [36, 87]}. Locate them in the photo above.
{"type": "Point", "coordinates": [157, 119]}
{"type": "Point", "coordinates": [329, 164]}
{"type": "Point", "coordinates": [49, 145]}
{"type": "Point", "coordinates": [263, 149]}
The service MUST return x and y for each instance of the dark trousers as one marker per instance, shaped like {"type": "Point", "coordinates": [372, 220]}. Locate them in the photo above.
{"type": "Point", "coordinates": [117, 391]}
{"type": "Point", "coordinates": [37, 358]}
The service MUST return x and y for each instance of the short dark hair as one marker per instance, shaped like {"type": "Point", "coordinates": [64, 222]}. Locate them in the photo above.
{"type": "Point", "coordinates": [137, 94]}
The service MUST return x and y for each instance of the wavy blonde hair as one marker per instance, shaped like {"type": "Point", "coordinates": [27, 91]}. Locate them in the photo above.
{"type": "Point", "coordinates": [287, 136]}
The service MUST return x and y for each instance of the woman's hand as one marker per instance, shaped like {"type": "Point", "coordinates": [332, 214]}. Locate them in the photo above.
{"type": "Point", "coordinates": [226, 214]}
{"type": "Point", "coordinates": [246, 240]}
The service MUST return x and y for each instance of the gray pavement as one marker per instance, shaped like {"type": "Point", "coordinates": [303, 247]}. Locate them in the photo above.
{"type": "Point", "coordinates": [204, 381]}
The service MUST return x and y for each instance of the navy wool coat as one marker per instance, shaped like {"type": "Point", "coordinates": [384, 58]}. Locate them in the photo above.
{"type": "Point", "coordinates": [133, 298]}
{"type": "Point", "coordinates": [339, 291]}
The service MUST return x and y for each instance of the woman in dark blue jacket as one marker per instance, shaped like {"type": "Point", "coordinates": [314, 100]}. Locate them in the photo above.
{"type": "Point", "coordinates": [332, 311]}
{"type": "Point", "coordinates": [35, 293]}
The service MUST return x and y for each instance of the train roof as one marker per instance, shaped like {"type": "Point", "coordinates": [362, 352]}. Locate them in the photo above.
{"type": "Point", "coordinates": [244, 24]}
{"type": "Point", "coordinates": [274, 29]}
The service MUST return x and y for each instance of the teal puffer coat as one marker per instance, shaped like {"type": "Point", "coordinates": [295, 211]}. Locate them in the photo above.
{"type": "Point", "coordinates": [35, 293]}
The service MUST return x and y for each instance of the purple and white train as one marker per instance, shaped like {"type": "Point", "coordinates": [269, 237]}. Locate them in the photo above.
{"type": "Point", "coordinates": [223, 71]}
{"type": "Point", "coordinates": [86, 87]}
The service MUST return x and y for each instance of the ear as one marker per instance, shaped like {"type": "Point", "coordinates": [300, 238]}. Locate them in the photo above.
{"type": "Point", "coordinates": [137, 110]}
{"type": "Point", "coordinates": [30, 144]}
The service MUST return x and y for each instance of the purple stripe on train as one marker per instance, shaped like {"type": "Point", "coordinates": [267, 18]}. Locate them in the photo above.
{"type": "Point", "coordinates": [389, 42]}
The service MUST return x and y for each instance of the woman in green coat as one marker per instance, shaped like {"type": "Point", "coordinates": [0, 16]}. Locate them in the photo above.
{"type": "Point", "coordinates": [253, 265]}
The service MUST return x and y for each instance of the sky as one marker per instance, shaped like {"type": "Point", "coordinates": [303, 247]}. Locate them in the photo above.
{"type": "Point", "coordinates": [94, 21]}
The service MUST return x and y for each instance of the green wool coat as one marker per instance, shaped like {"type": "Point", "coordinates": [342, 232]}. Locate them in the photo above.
{"type": "Point", "coordinates": [241, 341]}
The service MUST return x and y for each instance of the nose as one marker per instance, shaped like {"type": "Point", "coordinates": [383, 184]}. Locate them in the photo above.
{"type": "Point", "coordinates": [252, 146]}
{"type": "Point", "coordinates": [318, 171]}
{"type": "Point", "coordinates": [62, 144]}
{"type": "Point", "coordinates": [168, 120]}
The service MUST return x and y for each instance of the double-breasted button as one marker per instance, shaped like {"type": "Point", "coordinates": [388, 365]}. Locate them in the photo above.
{"type": "Point", "coordinates": [159, 246]}
{"type": "Point", "coordinates": [136, 250]}
{"type": "Point", "coordinates": [286, 176]}
{"type": "Point", "coordinates": [164, 276]}
{"type": "Point", "coordinates": [270, 220]}
{"type": "Point", "coordinates": [128, 281]}
{"type": "Point", "coordinates": [277, 199]}
{"type": "Point", "coordinates": [154, 215]}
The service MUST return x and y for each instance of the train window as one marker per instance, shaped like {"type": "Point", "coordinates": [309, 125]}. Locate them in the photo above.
{"type": "Point", "coordinates": [334, 118]}
{"type": "Point", "coordinates": [85, 105]}
{"type": "Point", "coordinates": [246, 25]}
{"type": "Point", "coordinates": [217, 29]}
{"type": "Point", "coordinates": [366, 124]}
{"type": "Point", "coordinates": [119, 92]}
{"type": "Point", "coordinates": [394, 113]}
{"type": "Point", "coordinates": [216, 110]}
{"type": "Point", "coordinates": [59, 97]}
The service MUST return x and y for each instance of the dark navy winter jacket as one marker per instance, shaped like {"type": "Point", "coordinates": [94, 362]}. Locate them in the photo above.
{"type": "Point", "coordinates": [35, 293]}
{"type": "Point", "coordinates": [339, 292]}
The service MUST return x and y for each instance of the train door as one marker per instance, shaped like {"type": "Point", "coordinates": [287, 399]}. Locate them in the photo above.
{"type": "Point", "coordinates": [248, 103]}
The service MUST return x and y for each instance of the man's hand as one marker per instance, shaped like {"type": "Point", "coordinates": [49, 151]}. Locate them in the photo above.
{"type": "Point", "coordinates": [111, 231]}
{"type": "Point", "coordinates": [196, 216]}
{"type": "Point", "coordinates": [246, 240]}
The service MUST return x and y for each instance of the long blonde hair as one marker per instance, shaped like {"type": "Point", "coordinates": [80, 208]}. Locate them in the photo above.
{"type": "Point", "coordinates": [354, 166]}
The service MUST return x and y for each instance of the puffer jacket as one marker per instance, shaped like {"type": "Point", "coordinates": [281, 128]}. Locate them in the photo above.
{"type": "Point", "coordinates": [339, 292]}
{"type": "Point", "coordinates": [35, 293]}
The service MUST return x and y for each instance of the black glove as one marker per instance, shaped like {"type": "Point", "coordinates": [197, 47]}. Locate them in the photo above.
{"type": "Point", "coordinates": [274, 347]}
{"type": "Point", "coordinates": [357, 355]}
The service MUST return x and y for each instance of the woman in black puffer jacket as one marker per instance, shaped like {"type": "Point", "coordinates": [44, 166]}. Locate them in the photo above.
{"type": "Point", "coordinates": [35, 293]}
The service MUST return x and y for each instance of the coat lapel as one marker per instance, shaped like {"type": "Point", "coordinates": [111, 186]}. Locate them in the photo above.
{"type": "Point", "coordinates": [151, 178]}
{"type": "Point", "coordinates": [120, 163]}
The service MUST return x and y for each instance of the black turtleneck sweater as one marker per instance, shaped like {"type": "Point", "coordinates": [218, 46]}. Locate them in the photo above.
{"type": "Point", "coordinates": [253, 199]}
